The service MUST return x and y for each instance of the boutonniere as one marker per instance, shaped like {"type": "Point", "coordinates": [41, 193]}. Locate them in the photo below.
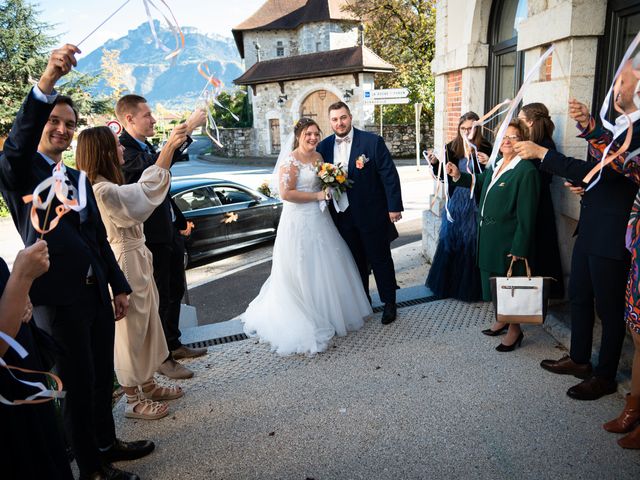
{"type": "Point", "coordinates": [361, 161]}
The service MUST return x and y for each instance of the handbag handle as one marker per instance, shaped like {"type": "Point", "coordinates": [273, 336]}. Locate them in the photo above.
{"type": "Point", "coordinates": [514, 260]}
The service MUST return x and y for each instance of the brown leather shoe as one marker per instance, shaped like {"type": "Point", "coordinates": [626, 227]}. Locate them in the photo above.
{"type": "Point", "coordinates": [593, 388]}
{"type": "Point", "coordinates": [566, 366]}
{"type": "Point", "coordinates": [628, 419]}
{"type": "Point", "coordinates": [172, 369]}
{"type": "Point", "coordinates": [187, 352]}
{"type": "Point", "coordinates": [631, 440]}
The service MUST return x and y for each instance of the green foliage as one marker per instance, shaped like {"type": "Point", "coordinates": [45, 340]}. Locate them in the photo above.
{"type": "Point", "coordinates": [402, 32]}
{"type": "Point", "coordinates": [4, 210]}
{"type": "Point", "coordinates": [77, 85]}
{"type": "Point", "coordinates": [236, 101]}
{"type": "Point", "coordinates": [69, 159]}
{"type": "Point", "coordinates": [24, 43]}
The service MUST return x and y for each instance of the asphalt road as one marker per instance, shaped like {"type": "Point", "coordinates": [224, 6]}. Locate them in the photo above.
{"type": "Point", "coordinates": [227, 297]}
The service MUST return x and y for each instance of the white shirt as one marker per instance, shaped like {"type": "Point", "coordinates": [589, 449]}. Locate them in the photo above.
{"type": "Point", "coordinates": [342, 151]}
{"type": "Point", "coordinates": [497, 173]}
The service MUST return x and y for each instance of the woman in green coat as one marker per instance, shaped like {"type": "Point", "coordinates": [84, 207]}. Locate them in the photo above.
{"type": "Point", "coordinates": [506, 218]}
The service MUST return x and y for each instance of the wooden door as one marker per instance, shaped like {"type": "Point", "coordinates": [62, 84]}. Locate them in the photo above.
{"type": "Point", "coordinates": [274, 133]}
{"type": "Point", "coordinates": [316, 106]}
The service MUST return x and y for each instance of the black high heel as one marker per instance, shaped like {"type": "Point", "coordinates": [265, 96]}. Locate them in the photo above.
{"type": "Point", "coordinates": [510, 348]}
{"type": "Point", "coordinates": [495, 333]}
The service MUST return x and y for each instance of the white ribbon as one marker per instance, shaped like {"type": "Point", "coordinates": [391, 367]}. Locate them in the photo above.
{"type": "Point", "coordinates": [340, 201]}
{"type": "Point", "coordinates": [514, 105]}
{"type": "Point", "coordinates": [622, 122]}
{"type": "Point", "coordinates": [43, 392]}
{"type": "Point", "coordinates": [57, 185]}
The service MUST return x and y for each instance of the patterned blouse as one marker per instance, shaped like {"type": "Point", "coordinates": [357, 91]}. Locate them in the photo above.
{"type": "Point", "coordinates": [598, 138]}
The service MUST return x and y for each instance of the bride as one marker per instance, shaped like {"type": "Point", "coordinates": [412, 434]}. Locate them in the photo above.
{"type": "Point", "coordinates": [314, 291]}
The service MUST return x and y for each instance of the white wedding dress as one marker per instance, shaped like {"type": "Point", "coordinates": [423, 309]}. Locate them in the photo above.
{"type": "Point", "coordinates": [314, 291]}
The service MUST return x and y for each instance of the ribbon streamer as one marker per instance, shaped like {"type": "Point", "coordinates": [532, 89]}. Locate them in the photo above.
{"type": "Point", "coordinates": [209, 96]}
{"type": "Point", "coordinates": [514, 104]}
{"type": "Point", "coordinates": [67, 195]}
{"type": "Point", "coordinates": [173, 25]}
{"type": "Point", "coordinates": [44, 394]}
{"type": "Point", "coordinates": [442, 180]}
{"type": "Point", "coordinates": [616, 129]}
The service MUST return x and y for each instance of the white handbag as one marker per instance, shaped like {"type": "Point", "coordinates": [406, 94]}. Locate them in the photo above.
{"type": "Point", "coordinates": [520, 299]}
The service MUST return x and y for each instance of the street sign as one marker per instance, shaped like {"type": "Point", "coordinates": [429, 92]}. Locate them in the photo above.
{"type": "Point", "coordinates": [386, 101]}
{"type": "Point", "coordinates": [386, 93]}
{"type": "Point", "coordinates": [115, 126]}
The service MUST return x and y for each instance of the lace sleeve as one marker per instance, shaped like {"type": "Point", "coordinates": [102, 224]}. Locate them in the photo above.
{"type": "Point", "coordinates": [288, 174]}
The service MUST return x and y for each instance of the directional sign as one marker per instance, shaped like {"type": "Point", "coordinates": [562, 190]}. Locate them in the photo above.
{"type": "Point", "coordinates": [386, 101]}
{"type": "Point", "coordinates": [386, 93]}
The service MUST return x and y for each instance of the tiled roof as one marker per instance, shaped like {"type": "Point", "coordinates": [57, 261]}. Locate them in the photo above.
{"type": "Point", "coordinates": [289, 15]}
{"type": "Point", "coordinates": [320, 64]}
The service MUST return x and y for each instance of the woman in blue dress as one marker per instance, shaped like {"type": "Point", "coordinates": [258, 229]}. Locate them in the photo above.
{"type": "Point", "coordinates": [454, 273]}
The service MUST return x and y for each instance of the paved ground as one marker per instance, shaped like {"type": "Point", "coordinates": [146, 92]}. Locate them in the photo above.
{"type": "Point", "coordinates": [426, 397]}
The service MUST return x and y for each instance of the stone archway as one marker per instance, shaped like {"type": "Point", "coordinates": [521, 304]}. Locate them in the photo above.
{"type": "Point", "coordinates": [316, 106]}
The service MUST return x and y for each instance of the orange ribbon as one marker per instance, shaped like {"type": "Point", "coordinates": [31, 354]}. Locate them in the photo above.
{"type": "Point", "coordinates": [58, 188]}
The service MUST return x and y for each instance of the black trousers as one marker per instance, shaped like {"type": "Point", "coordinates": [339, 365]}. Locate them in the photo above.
{"type": "Point", "coordinates": [602, 280]}
{"type": "Point", "coordinates": [370, 250]}
{"type": "Point", "coordinates": [168, 272]}
{"type": "Point", "coordinates": [85, 332]}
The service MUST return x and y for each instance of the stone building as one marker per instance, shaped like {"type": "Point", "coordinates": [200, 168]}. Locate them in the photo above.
{"type": "Point", "coordinates": [484, 48]}
{"type": "Point", "coordinates": [301, 56]}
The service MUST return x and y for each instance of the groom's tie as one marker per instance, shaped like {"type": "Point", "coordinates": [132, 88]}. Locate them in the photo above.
{"type": "Point", "coordinates": [342, 143]}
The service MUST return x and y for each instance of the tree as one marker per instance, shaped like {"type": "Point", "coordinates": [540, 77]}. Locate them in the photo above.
{"type": "Point", "coordinates": [114, 72]}
{"type": "Point", "coordinates": [403, 33]}
{"type": "Point", "coordinates": [24, 43]}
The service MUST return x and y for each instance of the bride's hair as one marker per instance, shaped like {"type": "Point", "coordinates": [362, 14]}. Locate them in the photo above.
{"type": "Point", "coordinates": [299, 128]}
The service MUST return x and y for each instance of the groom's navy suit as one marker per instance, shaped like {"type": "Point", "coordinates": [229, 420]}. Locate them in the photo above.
{"type": "Point", "coordinates": [365, 225]}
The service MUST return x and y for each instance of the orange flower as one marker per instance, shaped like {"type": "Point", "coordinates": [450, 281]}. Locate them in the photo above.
{"type": "Point", "coordinates": [340, 178]}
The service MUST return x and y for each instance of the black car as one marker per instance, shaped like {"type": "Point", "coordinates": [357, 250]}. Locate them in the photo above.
{"type": "Point", "coordinates": [226, 215]}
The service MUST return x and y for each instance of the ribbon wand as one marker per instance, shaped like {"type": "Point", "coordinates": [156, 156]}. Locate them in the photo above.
{"type": "Point", "coordinates": [98, 27]}
{"type": "Point", "coordinates": [44, 224]}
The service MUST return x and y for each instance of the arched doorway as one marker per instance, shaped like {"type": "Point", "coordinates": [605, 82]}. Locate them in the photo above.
{"type": "Point", "coordinates": [316, 106]}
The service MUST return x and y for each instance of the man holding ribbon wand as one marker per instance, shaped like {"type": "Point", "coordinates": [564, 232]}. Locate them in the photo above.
{"type": "Point", "coordinates": [72, 300]}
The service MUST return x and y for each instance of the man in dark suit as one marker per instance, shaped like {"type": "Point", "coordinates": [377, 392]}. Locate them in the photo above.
{"type": "Point", "coordinates": [72, 300]}
{"type": "Point", "coordinates": [600, 261]}
{"type": "Point", "coordinates": [375, 202]}
{"type": "Point", "coordinates": [164, 229]}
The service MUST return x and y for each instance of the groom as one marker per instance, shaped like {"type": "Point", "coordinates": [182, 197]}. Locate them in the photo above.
{"type": "Point", "coordinates": [375, 202]}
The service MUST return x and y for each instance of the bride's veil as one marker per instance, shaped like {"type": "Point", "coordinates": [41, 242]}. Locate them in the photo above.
{"type": "Point", "coordinates": [285, 151]}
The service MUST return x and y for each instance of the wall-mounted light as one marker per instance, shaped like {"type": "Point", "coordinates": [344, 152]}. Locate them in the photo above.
{"type": "Point", "coordinates": [282, 99]}
{"type": "Point", "coordinates": [348, 94]}
{"type": "Point", "coordinates": [257, 47]}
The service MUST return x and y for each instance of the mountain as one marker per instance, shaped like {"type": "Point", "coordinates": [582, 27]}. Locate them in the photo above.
{"type": "Point", "coordinates": [175, 85]}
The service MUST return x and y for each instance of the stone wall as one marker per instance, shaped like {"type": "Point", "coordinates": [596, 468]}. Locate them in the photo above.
{"type": "Point", "coordinates": [309, 38]}
{"type": "Point", "coordinates": [266, 106]}
{"type": "Point", "coordinates": [461, 60]}
{"type": "Point", "coordinates": [401, 139]}
{"type": "Point", "coordinates": [237, 142]}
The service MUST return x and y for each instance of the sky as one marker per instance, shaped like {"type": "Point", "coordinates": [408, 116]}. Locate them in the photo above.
{"type": "Point", "coordinates": [74, 19]}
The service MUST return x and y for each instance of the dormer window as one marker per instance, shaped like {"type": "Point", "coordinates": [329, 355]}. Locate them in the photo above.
{"type": "Point", "coordinates": [279, 49]}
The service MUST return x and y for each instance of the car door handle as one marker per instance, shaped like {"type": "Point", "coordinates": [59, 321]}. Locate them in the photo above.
{"type": "Point", "coordinates": [230, 217]}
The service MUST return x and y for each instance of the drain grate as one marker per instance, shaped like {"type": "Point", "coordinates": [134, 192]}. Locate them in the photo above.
{"type": "Point", "coordinates": [409, 303]}
{"type": "Point", "coordinates": [218, 341]}
{"type": "Point", "coordinates": [241, 336]}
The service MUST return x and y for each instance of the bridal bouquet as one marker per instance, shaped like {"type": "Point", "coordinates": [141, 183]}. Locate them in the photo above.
{"type": "Point", "coordinates": [334, 179]}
